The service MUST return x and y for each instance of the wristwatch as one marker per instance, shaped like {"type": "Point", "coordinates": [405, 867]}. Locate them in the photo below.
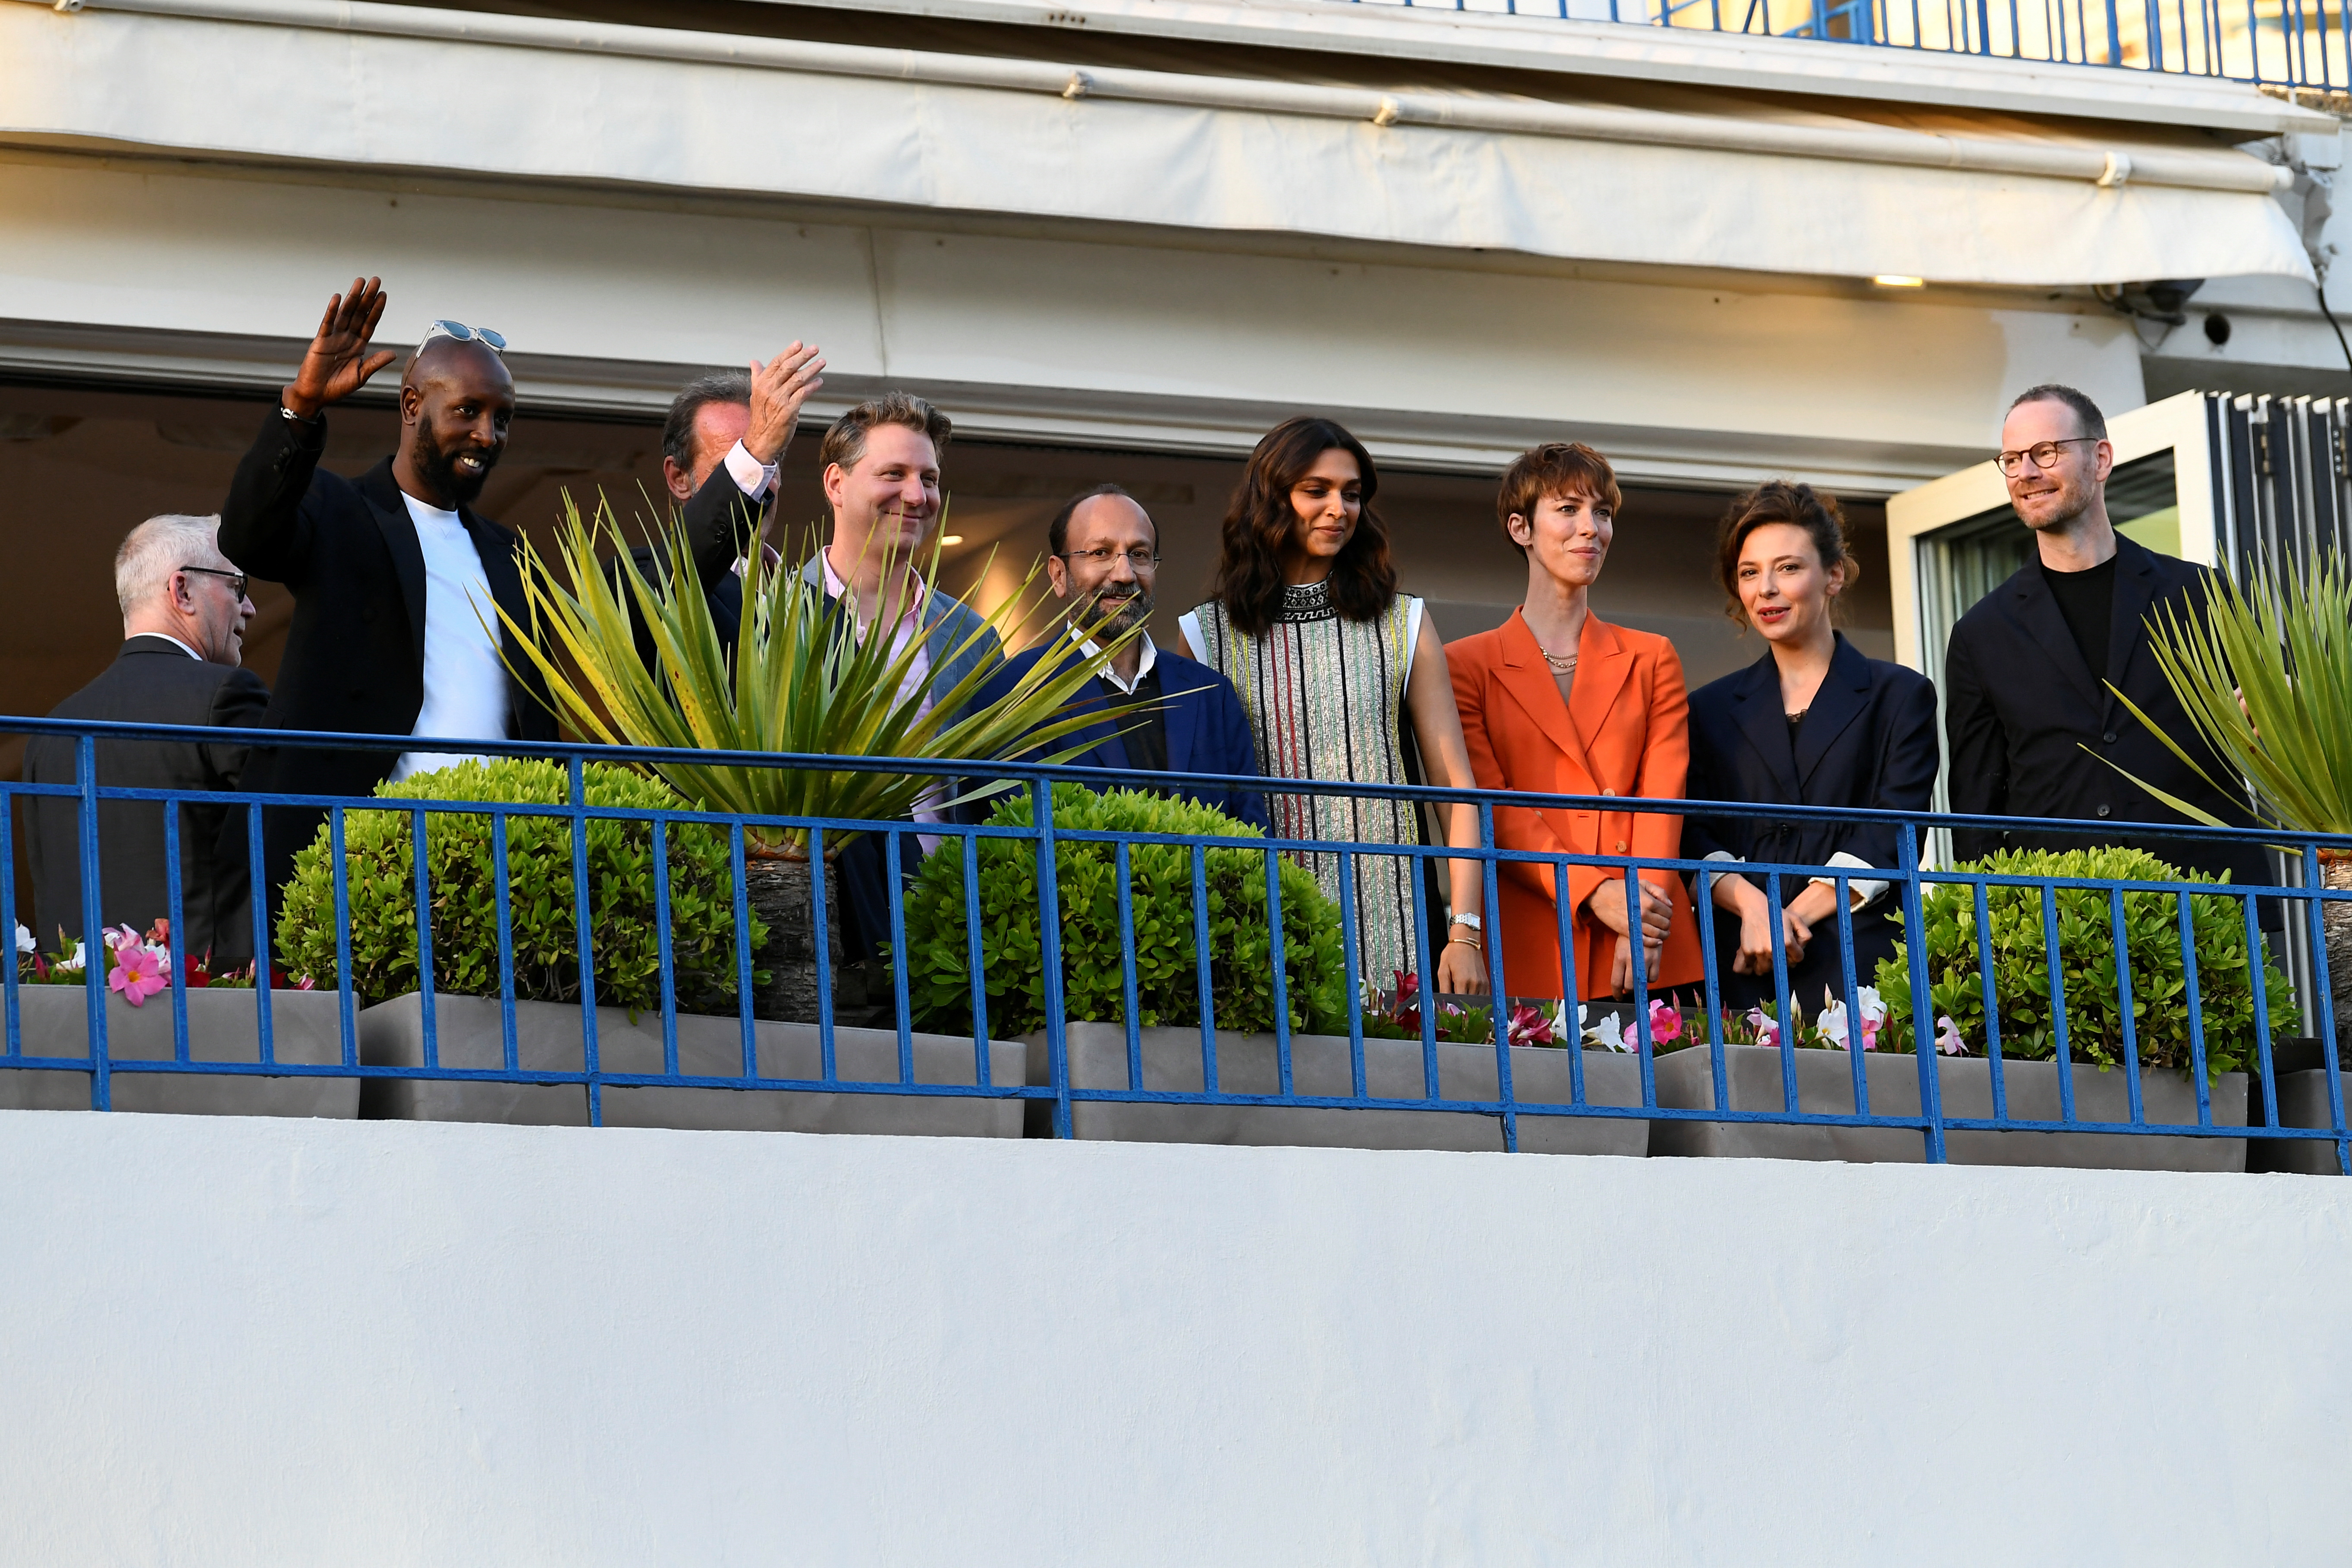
{"type": "Point", "coordinates": [1472, 921]}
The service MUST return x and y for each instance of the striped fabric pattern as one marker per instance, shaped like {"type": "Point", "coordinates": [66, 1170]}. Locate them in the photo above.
{"type": "Point", "coordinates": [1324, 696]}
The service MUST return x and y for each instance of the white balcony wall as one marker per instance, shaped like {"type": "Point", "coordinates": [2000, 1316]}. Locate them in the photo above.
{"type": "Point", "coordinates": [239, 1341]}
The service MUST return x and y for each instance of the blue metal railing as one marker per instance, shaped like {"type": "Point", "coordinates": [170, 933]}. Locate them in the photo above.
{"type": "Point", "coordinates": [2283, 43]}
{"type": "Point", "coordinates": [1057, 1090]}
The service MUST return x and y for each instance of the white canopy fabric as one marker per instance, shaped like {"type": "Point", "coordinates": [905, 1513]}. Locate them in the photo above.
{"type": "Point", "coordinates": [378, 86]}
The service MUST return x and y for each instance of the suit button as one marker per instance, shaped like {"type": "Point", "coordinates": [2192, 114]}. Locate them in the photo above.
{"type": "Point", "coordinates": [2103, 811]}
{"type": "Point", "coordinates": [2109, 737]}
{"type": "Point", "coordinates": [1610, 791]}
{"type": "Point", "coordinates": [1620, 846]}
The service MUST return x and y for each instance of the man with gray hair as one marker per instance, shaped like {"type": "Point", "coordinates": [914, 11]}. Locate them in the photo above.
{"type": "Point", "coordinates": [184, 611]}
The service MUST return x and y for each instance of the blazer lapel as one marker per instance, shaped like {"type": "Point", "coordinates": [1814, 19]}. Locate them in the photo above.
{"type": "Point", "coordinates": [1602, 664]}
{"type": "Point", "coordinates": [1179, 706]}
{"type": "Point", "coordinates": [2031, 604]}
{"type": "Point", "coordinates": [377, 487]}
{"type": "Point", "coordinates": [1844, 693]}
{"type": "Point", "coordinates": [1527, 678]}
{"type": "Point", "coordinates": [1756, 703]}
{"type": "Point", "coordinates": [2135, 590]}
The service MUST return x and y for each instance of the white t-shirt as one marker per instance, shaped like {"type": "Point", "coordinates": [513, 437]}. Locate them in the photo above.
{"type": "Point", "coordinates": [464, 680]}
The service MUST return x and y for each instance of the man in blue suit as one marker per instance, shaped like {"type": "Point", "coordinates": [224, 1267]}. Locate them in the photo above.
{"type": "Point", "coordinates": [1161, 712]}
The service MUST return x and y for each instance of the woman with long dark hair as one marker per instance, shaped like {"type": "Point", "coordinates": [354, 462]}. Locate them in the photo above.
{"type": "Point", "coordinates": [1343, 678]}
{"type": "Point", "coordinates": [1814, 722]}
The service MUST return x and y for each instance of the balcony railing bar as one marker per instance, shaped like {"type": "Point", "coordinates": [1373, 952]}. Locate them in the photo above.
{"type": "Point", "coordinates": [1045, 833]}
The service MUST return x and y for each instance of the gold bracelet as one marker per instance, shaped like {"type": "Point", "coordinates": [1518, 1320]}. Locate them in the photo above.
{"type": "Point", "coordinates": [1466, 942]}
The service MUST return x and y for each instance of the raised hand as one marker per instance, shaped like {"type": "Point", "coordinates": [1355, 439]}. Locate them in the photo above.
{"type": "Point", "coordinates": [777, 389]}
{"type": "Point", "coordinates": [337, 363]}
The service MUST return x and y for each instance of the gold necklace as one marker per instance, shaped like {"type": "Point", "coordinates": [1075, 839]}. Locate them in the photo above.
{"type": "Point", "coordinates": [1561, 663]}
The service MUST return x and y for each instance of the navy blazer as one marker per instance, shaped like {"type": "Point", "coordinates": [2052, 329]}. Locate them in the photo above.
{"type": "Point", "coordinates": [1207, 731]}
{"type": "Point", "coordinates": [1868, 740]}
{"type": "Point", "coordinates": [2021, 706]}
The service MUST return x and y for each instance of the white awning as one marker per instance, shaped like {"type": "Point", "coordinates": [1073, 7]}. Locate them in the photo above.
{"type": "Point", "coordinates": [1750, 187]}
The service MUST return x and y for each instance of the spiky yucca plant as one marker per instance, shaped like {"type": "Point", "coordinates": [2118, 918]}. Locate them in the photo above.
{"type": "Point", "coordinates": [800, 678]}
{"type": "Point", "coordinates": [2266, 679]}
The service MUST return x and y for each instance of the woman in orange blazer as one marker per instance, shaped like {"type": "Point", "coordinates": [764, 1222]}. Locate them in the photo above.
{"type": "Point", "coordinates": [1558, 701]}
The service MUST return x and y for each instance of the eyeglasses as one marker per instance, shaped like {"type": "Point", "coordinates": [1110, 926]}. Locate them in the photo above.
{"type": "Point", "coordinates": [236, 580]}
{"type": "Point", "coordinates": [1103, 555]}
{"type": "Point", "coordinates": [2043, 453]}
{"type": "Point", "coordinates": [465, 334]}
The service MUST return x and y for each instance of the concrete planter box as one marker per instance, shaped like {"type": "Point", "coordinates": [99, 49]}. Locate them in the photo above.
{"type": "Point", "coordinates": [548, 1039]}
{"type": "Point", "coordinates": [306, 1030]}
{"type": "Point", "coordinates": [2302, 1102]}
{"type": "Point", "coordinates": [1247, 1064]}
{"type": "Point", "coordinates": [1825, 1085]}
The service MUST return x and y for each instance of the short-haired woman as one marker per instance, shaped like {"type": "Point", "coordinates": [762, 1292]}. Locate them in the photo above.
{"type": "Point", "coordinates": [1342, 676]}
{"type": "Point", "coordinates": [1557, 700]}
{"type": "Point", "coordinates": [1814, 722]}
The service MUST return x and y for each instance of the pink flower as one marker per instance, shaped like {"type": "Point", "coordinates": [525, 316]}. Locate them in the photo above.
{"type": "Point", "coordinates": [1947, 1038]}
{"type": "Point", "coordinates": [138, 972]}
{"type": "Point", "coordinates": [1766, 1027]}
{"type": "Point", "coordinates": [1664, 1024]}
{"type": "Point", "coordinates": [1530, 1027]}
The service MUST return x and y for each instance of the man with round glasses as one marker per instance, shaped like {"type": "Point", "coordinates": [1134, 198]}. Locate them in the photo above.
{"type": "Point", "coordinates": [397, 582]}
{"type": "Point", "coordinates": [184, 612]}
{"type": "Point", "coordinates": [1163, 713]}
{"type": "Point", "coordinates": [2032, 669]}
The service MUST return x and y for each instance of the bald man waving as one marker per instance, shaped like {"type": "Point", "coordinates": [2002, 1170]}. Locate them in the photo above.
{"type": "Point", "coordinates": [393, 573]}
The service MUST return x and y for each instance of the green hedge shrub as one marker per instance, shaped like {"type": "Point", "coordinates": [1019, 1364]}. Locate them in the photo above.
{"type": "Point", "coordinates": [2087, 950]}
{"type": "Point", "coordinates": [379, 851]}
{"type": "Point", "coordinates": [1167, 981]}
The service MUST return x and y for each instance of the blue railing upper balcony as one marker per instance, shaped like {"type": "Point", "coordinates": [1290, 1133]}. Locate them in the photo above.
{"type": "Point", "coordinates": [583, 947]}
{"type": "Point", "coordinates": [2279, 43]}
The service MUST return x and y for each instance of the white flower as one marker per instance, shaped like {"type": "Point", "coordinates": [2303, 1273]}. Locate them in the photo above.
{"type": "Point", "coordinates": [74, 962]}
{"type": "Point", "coordinates": [1601, 1032]}
{"type": "Point", "coordinates": [1947, 1038]}
{"type": "Point", "coordinates": [24, 937]}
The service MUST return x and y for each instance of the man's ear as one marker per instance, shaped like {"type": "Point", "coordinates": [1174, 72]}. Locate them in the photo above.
{"type": "Point", "coordinates": [1057, 574]}
{"type": "Point", "coordinates": [412, 403]}
{"type": "Point", "coordinates": [833, 477]}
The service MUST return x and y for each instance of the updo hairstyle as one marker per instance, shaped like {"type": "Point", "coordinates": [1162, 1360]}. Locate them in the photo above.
{"type": "Point", "coordinates": [1781, 501]}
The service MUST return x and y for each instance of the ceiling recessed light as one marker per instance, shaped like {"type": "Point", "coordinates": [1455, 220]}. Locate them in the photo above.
{"type": "Point", "coordinates": [950, 539]}
{"type": "Point", "coordinates": [1898, 281]}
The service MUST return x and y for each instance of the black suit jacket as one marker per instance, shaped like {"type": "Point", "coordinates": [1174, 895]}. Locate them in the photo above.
{"type": "Point", "coordinates": [354, 657]}
{"type": "Point", "coordinates": [2021, 705]}
{"type": "Point", "coordinates": [721, 522]}
{"type": "Point", "coordinates": [152, 681]}
{"type": "Point", "coordinates": [1868, 741]}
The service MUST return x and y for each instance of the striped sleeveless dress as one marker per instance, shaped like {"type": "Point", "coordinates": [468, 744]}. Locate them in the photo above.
{"type": "Point", "coordinates": [1325, 698]}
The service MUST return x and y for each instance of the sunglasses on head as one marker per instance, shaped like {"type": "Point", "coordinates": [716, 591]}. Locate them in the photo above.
{"type": "Point", "coordinates": [465, 334]}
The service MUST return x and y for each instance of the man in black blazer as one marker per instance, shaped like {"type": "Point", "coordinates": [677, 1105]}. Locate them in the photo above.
{"type": "Point", "coordinates": [393, 573]}
{"type": "Point", "coordinates": [2026, 672]}
{"type": "Point", "coordinates": [721, 445]}
{"type": "Point", "coordinates": [183, 617]}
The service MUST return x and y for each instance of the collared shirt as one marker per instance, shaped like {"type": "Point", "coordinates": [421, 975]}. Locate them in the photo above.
{"type": "Point", "coordinates": [917, 678]}
{"type": "Point", "coordinates": [176, 642]}
{"type": "Point", "coordinates": [1134, 706]}
{"type": "Point", "coordinates": [465, 678]}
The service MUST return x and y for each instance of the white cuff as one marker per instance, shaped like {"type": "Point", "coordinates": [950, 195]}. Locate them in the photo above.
{"type": "Point", "coordinates": [1868, 890]}
{"type": "Point", "coordinates": [1724, 854]}
{"type": "Point", "coordinates": [753, 477]}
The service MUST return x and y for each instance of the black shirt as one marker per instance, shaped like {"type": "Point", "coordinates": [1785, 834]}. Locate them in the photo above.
{"type": "Point", "coordinates": [2087, 601]}
{"type": "Point", "coordinates": [1141, 721]}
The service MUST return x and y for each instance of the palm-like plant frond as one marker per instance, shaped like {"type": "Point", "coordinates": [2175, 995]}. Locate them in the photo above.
{"type": "Point", "coordinates": [802, 677]}
{"type": "Point", "coordinates": [2265, 676]}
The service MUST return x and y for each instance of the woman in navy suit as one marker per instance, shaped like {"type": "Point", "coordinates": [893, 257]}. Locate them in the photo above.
{"type": "Point", "coordinates": [1813, 722]}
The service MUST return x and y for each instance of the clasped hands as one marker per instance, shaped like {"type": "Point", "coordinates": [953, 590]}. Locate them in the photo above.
{"type": "Point", "coordinates": [1799, 916]}
{"type": "Point", "coordinates": [1607, 905]}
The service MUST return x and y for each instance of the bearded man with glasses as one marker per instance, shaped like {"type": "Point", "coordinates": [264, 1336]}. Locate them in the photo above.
{"type": "Point", "coordinates": [397, 580]}
{"type": "Point", "coordinates": [2032, 670]}
{"type": "Point", "coordinates": [1162, 713]}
